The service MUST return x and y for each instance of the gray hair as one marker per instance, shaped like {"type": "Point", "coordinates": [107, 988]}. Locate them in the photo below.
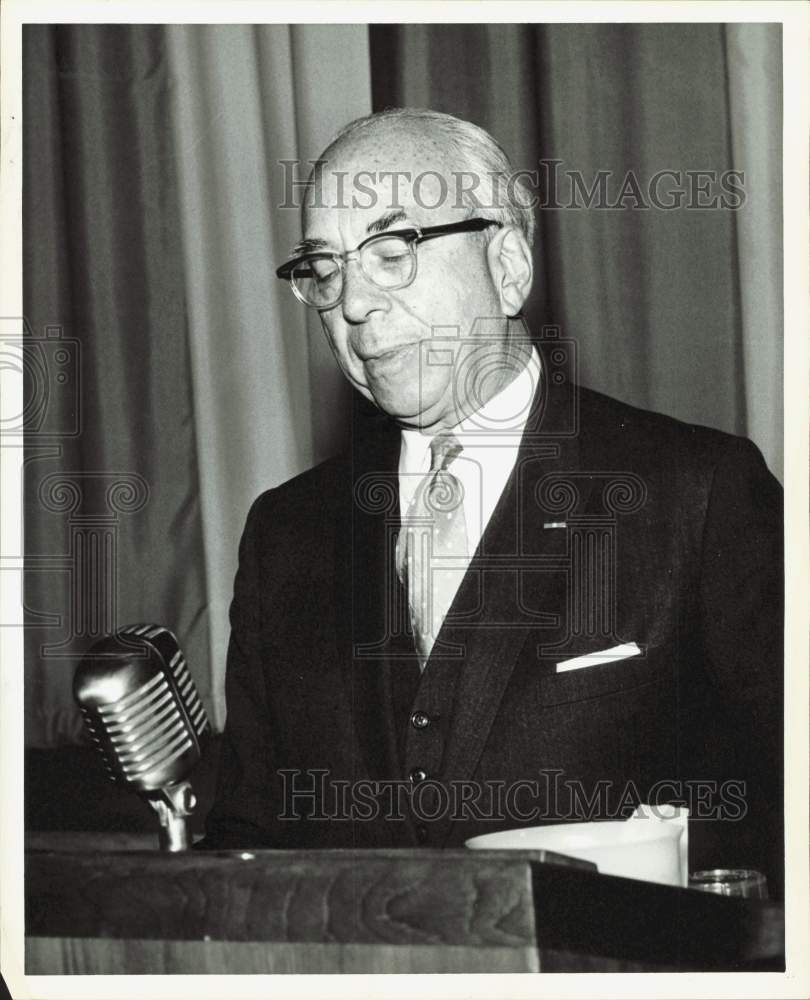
{"type": "Point", "coordinates": [475, 151]}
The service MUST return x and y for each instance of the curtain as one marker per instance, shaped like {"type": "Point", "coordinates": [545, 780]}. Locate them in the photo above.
{"type": "Point", "coordinates": [674, 310]}
{"type": "Point", "coordinates": [268, 399]}
{"type": "Point", "coordinates": [152, 224]}
{"type": "Point", "coordinates": [112, 519]}
{"type": "Point", "coordinates": [170, 377]}
{"type": "Point", "coordinates": [755, 110]}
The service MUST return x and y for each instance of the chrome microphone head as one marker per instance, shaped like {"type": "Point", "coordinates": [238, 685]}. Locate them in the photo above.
{"type": "Point", "coordinates": [141, 707]}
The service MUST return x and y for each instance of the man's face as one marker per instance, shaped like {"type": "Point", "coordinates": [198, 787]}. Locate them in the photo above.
{"type": "Point", "coordinates": [380, 336]}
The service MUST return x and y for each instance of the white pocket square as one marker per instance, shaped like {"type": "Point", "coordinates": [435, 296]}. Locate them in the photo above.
{"type": "Point", "coordinates": [622, 652]}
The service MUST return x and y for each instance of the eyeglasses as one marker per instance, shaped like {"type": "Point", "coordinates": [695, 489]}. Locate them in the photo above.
{"type": "Point", "coordinates": [387, 259]}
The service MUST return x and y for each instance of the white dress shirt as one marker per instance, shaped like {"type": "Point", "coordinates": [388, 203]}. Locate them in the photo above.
{"type": "Point", "coordinates": [490, 439]}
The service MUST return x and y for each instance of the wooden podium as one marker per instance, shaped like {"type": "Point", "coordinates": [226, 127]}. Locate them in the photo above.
{"type": "Point", "coordinates": [112, 904]}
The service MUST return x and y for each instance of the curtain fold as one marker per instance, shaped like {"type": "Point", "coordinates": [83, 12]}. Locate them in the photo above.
{"type": "Point", "coordinates": [268, 401]}
{"type": "Point", "coordinates": [154, 219]}
{"type": "Point", "coordinates": [753, 54]}
{"type": "Point", "coordinates": [111, 506]}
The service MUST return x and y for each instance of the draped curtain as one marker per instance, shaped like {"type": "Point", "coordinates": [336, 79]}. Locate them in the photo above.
{"type": "Point", "coordinates": [152, 225]}
{"type": "Point", "coordinates": [180, 379]}
{"type": "Point", "coordinates": [112, 528]}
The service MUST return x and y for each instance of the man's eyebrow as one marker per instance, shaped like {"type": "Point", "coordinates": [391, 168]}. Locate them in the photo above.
{"type": "Point", "coordinates": [313, 245]}
{"type": "Point", "coordinates": [384, 221]}
{"type": "Point", "coordinates": [308, 246]}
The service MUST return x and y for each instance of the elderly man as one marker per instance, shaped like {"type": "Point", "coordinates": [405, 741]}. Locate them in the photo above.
{"type": "Point", "coordinates": [513, 601]}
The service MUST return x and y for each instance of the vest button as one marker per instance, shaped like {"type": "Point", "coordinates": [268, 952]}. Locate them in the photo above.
{"type": "Point", "coordinates": [417, 775]}
{"type": "Point", "coordinates": [420, 720]}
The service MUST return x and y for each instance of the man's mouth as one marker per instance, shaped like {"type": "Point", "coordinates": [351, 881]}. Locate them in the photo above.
{"type": "Point", "coordinates": [380, 358]}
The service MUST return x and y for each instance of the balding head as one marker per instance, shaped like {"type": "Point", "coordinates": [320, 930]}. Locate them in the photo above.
{"type": "Point", "coordinates": [475, 174]}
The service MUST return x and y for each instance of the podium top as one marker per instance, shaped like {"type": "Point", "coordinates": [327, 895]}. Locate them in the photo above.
{"type": "Point", "coordinates": [87, 886]}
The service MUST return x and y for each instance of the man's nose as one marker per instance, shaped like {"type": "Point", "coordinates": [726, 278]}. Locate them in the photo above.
{"type": "Point", "coordinates": [361, 296]}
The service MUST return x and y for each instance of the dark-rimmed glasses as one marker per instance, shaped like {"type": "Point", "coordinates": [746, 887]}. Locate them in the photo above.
{"type": "Point", "coordinates": [387, 259]}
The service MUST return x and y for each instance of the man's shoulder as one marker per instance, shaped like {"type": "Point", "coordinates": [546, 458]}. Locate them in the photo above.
{"type": "Point", "coordinates": [612, 430]}
{"type": "Point", "coordinates": [307, 493]}
{"type": "Point", "coordinates": [372, 447]}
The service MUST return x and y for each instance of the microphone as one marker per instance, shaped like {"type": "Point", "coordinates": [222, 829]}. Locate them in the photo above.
{"type": "Point", "coordinates": [143, 712]}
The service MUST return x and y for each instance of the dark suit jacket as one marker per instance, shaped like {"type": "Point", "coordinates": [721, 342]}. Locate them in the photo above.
{"type": "Point", "coordinates": [672, 539]}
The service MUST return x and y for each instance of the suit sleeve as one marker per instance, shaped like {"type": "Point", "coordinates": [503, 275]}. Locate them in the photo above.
{"type": "Point", "coordinates": [741, 594]}
{"type": "Point", "coordinates": [241, 816]}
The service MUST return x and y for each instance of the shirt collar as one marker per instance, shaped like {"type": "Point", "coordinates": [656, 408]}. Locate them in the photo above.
{"type": "Point", "coordinates": [508, 410]}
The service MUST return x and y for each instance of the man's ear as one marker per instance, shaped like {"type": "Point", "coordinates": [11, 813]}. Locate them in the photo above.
{"type": "Point", "coordinates": [510, 263]}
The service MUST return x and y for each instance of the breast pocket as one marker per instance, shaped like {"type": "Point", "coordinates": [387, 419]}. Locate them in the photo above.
{"type": "Point", "coordinates": [597, 680]}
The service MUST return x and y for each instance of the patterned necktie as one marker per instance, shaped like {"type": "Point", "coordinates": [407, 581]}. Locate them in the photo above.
{"type": "Point", "coordinates": [432, 545]}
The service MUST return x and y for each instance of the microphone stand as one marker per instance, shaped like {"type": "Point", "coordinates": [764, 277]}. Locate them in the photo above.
{"type": "Point", "coordinates": [172, 804]}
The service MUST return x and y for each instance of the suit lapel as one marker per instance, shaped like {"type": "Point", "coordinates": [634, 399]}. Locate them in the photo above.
{"type": "Point", "coordinates": [517, 576]}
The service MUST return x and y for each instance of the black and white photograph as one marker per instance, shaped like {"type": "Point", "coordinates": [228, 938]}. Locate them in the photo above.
{"type": "Point", "coordinates": [404, 548]}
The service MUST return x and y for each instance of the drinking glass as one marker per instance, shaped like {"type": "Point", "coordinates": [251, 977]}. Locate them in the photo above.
{"type": "Point", "coordinates": [731, 882]}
